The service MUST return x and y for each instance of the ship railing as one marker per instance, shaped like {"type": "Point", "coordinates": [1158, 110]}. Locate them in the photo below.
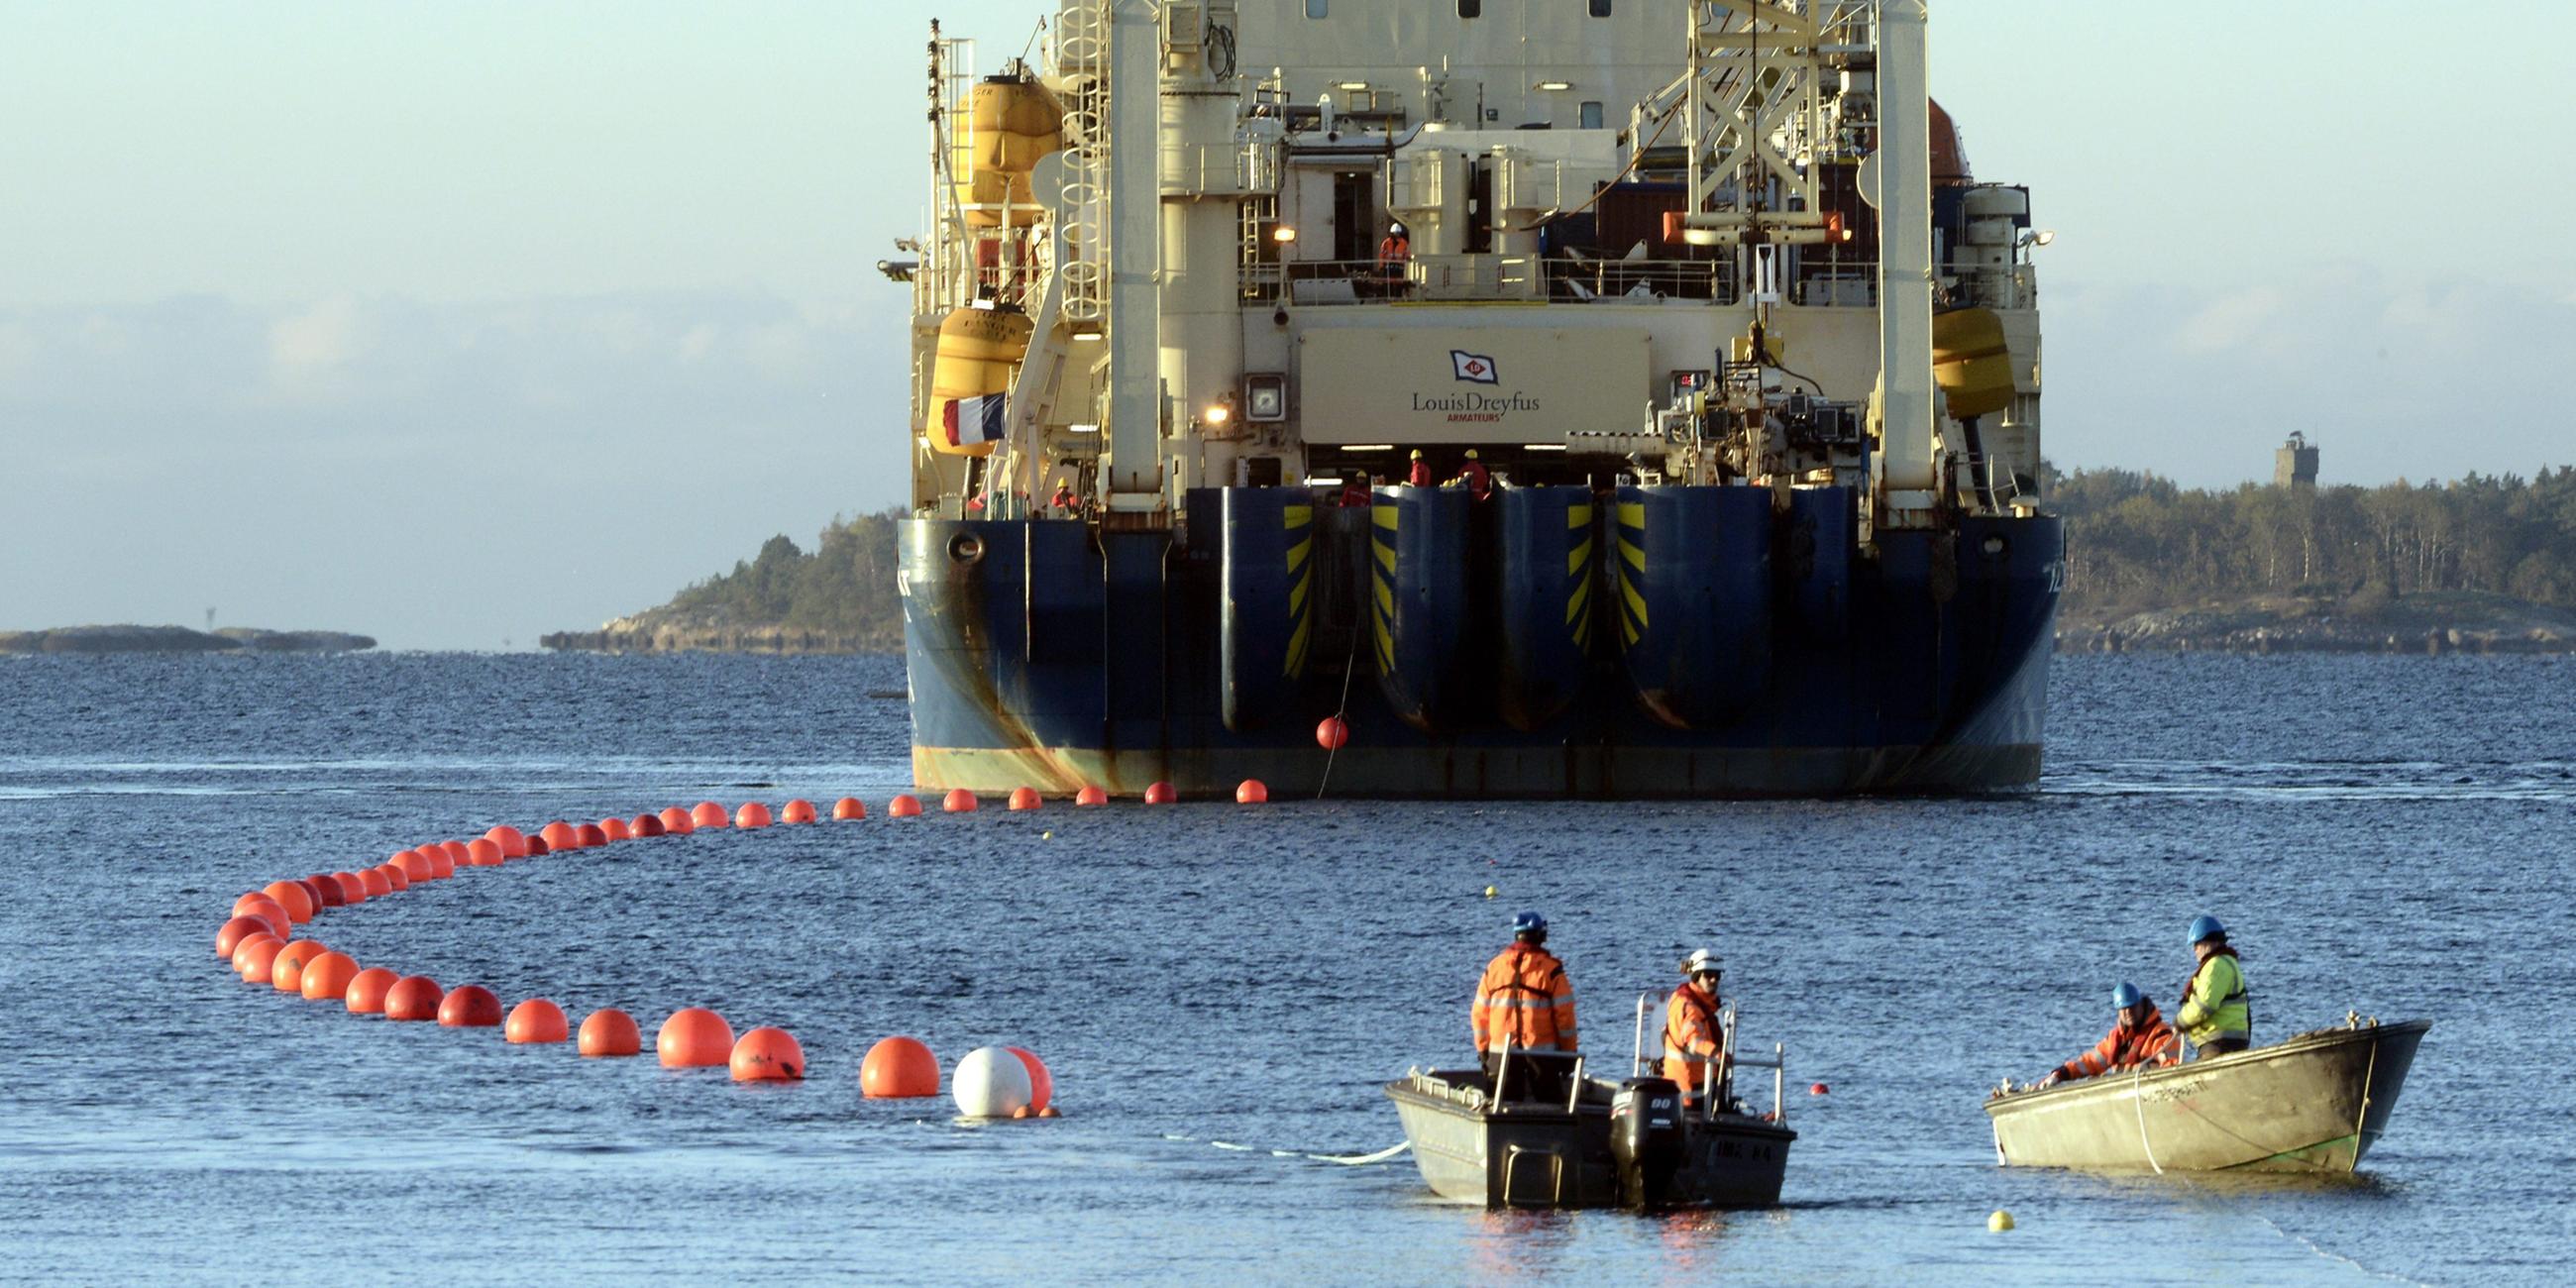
{"type": "Point", "coordinates": [1555, 279]}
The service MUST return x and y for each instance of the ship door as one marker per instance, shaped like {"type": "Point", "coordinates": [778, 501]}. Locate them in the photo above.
{"type": "Point", "coordinates": [1356, 222]}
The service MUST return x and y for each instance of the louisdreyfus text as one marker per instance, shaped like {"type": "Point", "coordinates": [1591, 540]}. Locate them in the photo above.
{"type": "Point", "coordinates": [1476, 402]}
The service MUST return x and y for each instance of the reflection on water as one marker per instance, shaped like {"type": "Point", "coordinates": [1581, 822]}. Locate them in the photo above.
{"type": "Point", "coordinates": [1203, 974]}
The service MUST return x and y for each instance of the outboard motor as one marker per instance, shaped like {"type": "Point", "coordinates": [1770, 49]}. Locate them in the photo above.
{"type": "Point", "coordinates": [1646, 1139]}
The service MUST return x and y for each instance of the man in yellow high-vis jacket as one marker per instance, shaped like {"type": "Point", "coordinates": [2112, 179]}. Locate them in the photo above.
{"type": "Point", "coordinates": [2217, 1013]}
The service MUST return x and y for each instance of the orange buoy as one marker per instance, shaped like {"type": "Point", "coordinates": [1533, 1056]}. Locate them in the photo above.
{"type": "Point", "coordinates": [1025, 798]}
{"type": "Point", "coordinates": [590, 835]}
{"type": "Point", "coordinates": [847, 808]}
{"type": "Point", "coordinates": [1160, 794]}
{"type": "Point", "coordinates": [256, 955]}
{"type": "Point", "coordinates": [610, 1032]}
{"type": "Point", "coordinates": [533, 1021]}
{"type": "Point", "coordinates": [484, 852]}
{"type": "Point", "coordinates": [694, 1038]}
{"type": "Point", "coordinates": [353, 890]}
{"type": "Point", "coordinates": [767, 1055]}
{"type": "Point", "coordinates": [286, 970]}
{"type": "Point", "coordinates": [260, 903]}
{"type": "Point", "coordinates": [1091, 796]}
{"type": "Point", "coordinates": [1333, 734]}
{"type": "Point", "coordinates": [416, 865]}
{"type": "Point", "coordinates": [326, 978]}
{"type": "Point", "coordinates": [708, 814]}
{"type": "Point", "coordinates": [796, 811]}
{"type": "Point", "coordinates": [1023, 1111]}
{"type": "Point", "coordinates": [441, 867]}
{"type": "Point", "coordinates": [904, 806]}
{"type": "Point", "coordinates": [1041, 1083]}
{"type": "Point", "coordinates": [372, 884]}
{"type": "Point", "coordinates": [557, 835]}
{"type": "Point", "coordinates": [537, 846]}
{"type": "Point", "coordinates": [676, 822]}
{"type": "Point", "coordinates": [239, 929]}
{"type": "Point", "coordinates": [513, 842]}
{"type": "Point", "coordinates": [899, 1068]}
{"type": "Point", "coordinates": [327, 892]}
{"type": "Point", "coordinates": [366, 992]}
{"type": "Point", "coordinates": [1251, 791]}
{"type": "Point", "coordinates": [469, 1006]}
{"type": "Point", "coordinates": [413, 997]}
{"type": "Point", "coordinates": [394, 876]}
{"type": "Point", "coordinates": [615, 829]}
{"type": "Point", "coordinates": [1817, 1089]}
{"type": "Point", "coordinates": [456, 853]}
{"type": "Point", "coordinates": [645, 825]}
{"type": "Point", "coordinates": [1050, 1112]}
{"type": "Point", "coordinates": [752, 814]}
{"type": "Point", "coordinates": [959, 801]}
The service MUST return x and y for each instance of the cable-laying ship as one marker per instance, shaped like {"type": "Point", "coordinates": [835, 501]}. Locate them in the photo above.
{"type": "Point", "coordinates": [1738, 363]}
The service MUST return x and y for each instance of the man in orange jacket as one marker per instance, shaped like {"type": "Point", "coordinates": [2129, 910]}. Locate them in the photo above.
{"type": "Point", "coordinates": [2139, 1037]}
{"type": "Point", "coordinates": [1692, 1041]}
{"type": "Point", "coordinates": [1524, 996]}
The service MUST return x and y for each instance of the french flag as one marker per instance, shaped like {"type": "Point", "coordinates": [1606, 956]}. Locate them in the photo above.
{"type": "Point", "coordinates": [969, 421]}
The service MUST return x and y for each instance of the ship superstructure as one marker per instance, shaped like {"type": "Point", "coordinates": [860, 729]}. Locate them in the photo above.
{"type": "Point", "coordinates": [1721, 369]}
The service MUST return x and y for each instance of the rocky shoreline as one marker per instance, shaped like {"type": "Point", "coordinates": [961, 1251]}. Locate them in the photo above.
{"type": "Point", "coordinates": [2432, 624]}
{"type": "Point", "coordinates": [180, 639]}
{"type": "Point", "coordinates": [629, 635]}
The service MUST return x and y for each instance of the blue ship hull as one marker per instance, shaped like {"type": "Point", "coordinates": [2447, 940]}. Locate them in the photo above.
{"type": "Point", "coordinates": [1550, 642]}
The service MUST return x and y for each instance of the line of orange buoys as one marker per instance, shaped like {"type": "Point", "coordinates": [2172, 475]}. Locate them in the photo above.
{"type": "Point", "coordinates": [258, 939]}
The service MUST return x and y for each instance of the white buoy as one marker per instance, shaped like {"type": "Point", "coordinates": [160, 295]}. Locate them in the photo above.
{"type": "Point", "coordinates": [990, 1083]}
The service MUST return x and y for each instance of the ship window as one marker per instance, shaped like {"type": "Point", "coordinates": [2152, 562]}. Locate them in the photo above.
{"type": "Point", "coordinates": [1591, 118]}
{"type": "Point", "coordinates": [1318, 8]}
{"type": "Point", "coordinates": [1471, 8]}
{"type": "Point", "coordinates": [1600, 8]}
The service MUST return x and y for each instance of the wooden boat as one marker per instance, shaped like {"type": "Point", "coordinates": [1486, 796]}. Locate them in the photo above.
{"type": "Point", "coordinates": [2315, 1103]}
{"type": "Point", "coordinates": [1553, 1137]}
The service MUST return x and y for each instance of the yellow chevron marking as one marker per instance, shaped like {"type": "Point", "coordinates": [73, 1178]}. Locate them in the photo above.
{"type": "Point", "coordinates": [1575, 602]}
{"type": "Point", "coordinates": [1633, 553]}
{"type": "Point", "coordinates": [1385, 597]}
{"type": "Point", "coordinates": [1632, 514]}
{"type": "Point", "coordinates": [1574, 559]}
{"type": "Point", "coordinates": [1384, 516]}
{"type": "Point", "coordinates": [1385, 648]}
{"type": "Point", "coordinates": [1297, 648]}
{"type": "Point", "coordinates": [1385, 556]}
{"type": "Point", "coordinates": [1636, 602]}
{"type": "Point", "coordinates": [1297, 595]}
{"type": "Point", "coordinates": [1297, 516]}
{"type": "Point", "coordinates": [1298, 552]}
{"type": "Point", "coordinates": [1629, 629]}
{"type": "Point", "coordinates": [1578, 516]}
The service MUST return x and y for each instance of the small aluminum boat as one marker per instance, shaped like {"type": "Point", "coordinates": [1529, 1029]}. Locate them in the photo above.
{"type": "Point", "coordinates": [1551, 1137]}
{"type": "Point", "coordinates": [2315, 1103]}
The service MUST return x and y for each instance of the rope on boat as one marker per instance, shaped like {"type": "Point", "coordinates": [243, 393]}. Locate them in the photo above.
{"type": "Point", "coordinates": [2137, 1074]}
{"type": "Point", "coordinates": [1342, 1160]}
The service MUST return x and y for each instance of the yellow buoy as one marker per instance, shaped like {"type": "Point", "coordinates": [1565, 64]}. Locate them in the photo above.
{"type": "Point", "coordinates": [1972, 362]}
{"type": "Point", "coordinates": [2000, 1221]}
{"type": "Point", "coordinates": [1489, 892]}
{"type": "Point", "coordinates": [978, 350]}
{"type": "Point", "coordinates": [1004, 125]}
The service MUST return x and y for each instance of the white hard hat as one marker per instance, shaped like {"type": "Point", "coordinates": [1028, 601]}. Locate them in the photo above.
{"type": "Point", "coordinates": [1395, 230]}
{"type": "Point", "coordinates": [1701, 961]}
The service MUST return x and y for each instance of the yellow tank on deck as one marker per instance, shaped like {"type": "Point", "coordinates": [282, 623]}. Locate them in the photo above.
{"type": "Point", "coordinates": [979, 349]}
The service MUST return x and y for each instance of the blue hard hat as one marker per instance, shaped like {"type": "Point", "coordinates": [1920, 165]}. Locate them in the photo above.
{"type": "Point", "coordinates": [2125, 995]}
{"type": "Point", "coordinates": [1528, 921]}
{"type": "Point", "coordinates": [2202, 927]}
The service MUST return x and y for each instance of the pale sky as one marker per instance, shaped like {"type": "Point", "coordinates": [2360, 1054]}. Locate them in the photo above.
{"type": "Point", "coordinates": [455, 323]}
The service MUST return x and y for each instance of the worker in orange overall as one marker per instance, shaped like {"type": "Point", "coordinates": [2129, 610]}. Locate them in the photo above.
{"type": "Point", "coordinates": [1064, 501]}
{"type": "Point", "coordinates": [1694, 1045]}
{"type": "Point", "coordinates": [2139, 1038]}
{"type": "Point", "coordinates": [1355, 493]}
{"type": "Point", "coordinates": [1524, 998]}
{"type": "Point", "coordinates": [1420, 475]}
{"type": "Point", "coordinates": [1393, 253]}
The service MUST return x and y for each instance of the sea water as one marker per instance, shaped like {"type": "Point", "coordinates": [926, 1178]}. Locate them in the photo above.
{"type": "Point", "coordinates": [1222, 991]}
